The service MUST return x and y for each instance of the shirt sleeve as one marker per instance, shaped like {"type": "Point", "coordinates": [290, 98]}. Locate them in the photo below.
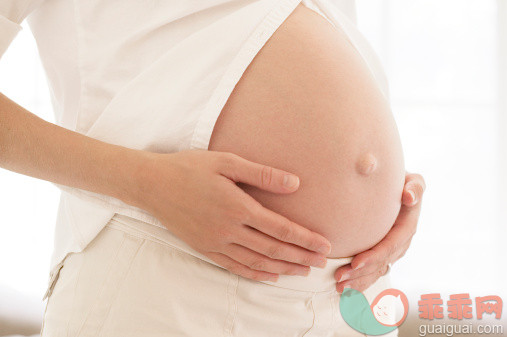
{"type": "Point", "coordinates": [12, 13]}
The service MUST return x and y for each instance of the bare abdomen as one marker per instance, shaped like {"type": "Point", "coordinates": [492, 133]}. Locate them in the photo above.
{"type": "Point", "coordinates": [309, 105]}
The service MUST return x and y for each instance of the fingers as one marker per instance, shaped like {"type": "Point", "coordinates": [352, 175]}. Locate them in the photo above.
{"type": "Point", "coordinates": [278, 250]}
{"type": "Point", "coordinates": [413, 190]}
{"type": "Point", "coordinates": [368, 266]}
{"type": "Point", "coordinates": [264, 177]}
{"type": "Point", "coordinates": [385, 251]}
{"type": "Point", "coordinates": [240, 269]}
{"type": "Point", "coordinates": [406, 222]}
{"type": "Point", "coordinates": [257, 261]}
{"type": "Point", "coordinates": [402, 251]}
{"type": "Point", "coordinates": [361, 283]}
{"type": "Point", "coordinates": [394, 244]}
{"type": "Point", "coordinates": [281, 228]}
{"type": "Point", "coordinates": [346, 272]}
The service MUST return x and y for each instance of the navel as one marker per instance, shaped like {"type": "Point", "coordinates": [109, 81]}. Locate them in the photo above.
{"type": "Point", "coordinates": [366, 164]}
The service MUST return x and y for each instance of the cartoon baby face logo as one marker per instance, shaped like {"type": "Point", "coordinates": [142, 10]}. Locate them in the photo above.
{"type": "Point", "coordinates": [390, 307]}
{"type": "Point", "coordinates": [387, 311]}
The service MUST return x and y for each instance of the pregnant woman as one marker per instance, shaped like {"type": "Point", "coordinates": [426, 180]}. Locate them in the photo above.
{"type": "Point", "coordinates": [234, 165]}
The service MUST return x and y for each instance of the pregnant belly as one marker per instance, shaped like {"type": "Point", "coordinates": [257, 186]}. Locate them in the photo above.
{"type": "Point", "coordinates": [309, 105]}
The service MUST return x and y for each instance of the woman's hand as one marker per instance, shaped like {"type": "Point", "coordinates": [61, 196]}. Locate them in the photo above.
{"type": "Point", "coordinates": [368, 266]}
{"type": "Point", "coordinates": [194, 194]}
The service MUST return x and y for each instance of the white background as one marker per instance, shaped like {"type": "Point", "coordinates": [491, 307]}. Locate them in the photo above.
{"type": "Point", "coordinates": [446, 61]}
{"type": "Point", "coordinates": [442, 60]}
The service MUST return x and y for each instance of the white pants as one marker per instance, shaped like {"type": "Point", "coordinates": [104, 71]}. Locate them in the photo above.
{"type": "Point", "coordinates": [131, 281]}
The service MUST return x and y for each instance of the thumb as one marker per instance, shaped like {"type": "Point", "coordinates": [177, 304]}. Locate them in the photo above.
{"type": "Point", "coordinates": [413, 190]}
{"type": "Point", "coordinates": [262, 176]}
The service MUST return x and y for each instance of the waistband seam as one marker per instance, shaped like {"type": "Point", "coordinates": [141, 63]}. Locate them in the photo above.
{"type": "Point", "coordinates": [286, 281]}
{"type": "Point", "coordinates": [124, 228]}
{"type": "Point", "coordinates": [146, 236]}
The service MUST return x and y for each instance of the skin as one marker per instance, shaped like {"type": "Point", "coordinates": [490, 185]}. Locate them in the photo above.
{"type": "Point", "coordinates": [171, 186]}
{"type": "Point", "coordinates": [308, 104]}
{"type": "Point", "coordinates": [366, 267]}
{"type": "Point", "coordinates": [31, 146]}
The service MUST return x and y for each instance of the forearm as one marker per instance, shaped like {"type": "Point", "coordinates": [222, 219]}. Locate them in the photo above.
{"type": "Point", "coordinates": [31, 146]}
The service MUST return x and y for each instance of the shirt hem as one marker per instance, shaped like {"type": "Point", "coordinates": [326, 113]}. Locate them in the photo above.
{"type": "Point", "coordinates": [206, 122]}
{"type": "Point", "coordinates": [8, 31]}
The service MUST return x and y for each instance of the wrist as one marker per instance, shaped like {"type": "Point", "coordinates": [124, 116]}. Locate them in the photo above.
{"type": "Point", "coordinates": [146, 175]}
{"type": "Point", "coordinates": [132, 167]}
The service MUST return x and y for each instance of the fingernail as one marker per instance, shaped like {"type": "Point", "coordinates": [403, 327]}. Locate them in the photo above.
{"type": "Point", "coordinates": [343, 289]}
{"type": "Point", "coordinates": [359, 266]}
{"type": "Point", "coordinates": [273, 278]}
{"type": "Point", "coordinates": [412, 195]}
{"type": "Point", "coordinates": [321, 263]}
{"type": "Point", "coordinates": [344, 277]}
{"type": "Point", "coordinates": [303, 272]}
{"type": "Point", "coordinates": [290, 181]}
{"type": "Point", "coordinates": [324, 250]}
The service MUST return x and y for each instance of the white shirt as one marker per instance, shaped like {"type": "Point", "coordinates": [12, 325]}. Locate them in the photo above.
{"type": "Point", "coordinates": [150, 75]}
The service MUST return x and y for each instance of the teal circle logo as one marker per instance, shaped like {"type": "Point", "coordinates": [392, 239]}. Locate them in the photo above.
{"type": "Point", "coordinates": [387, 311]}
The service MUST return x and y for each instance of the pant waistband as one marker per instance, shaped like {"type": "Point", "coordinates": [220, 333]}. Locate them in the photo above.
{"type": "Point", "coordinates": [319, 279]}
